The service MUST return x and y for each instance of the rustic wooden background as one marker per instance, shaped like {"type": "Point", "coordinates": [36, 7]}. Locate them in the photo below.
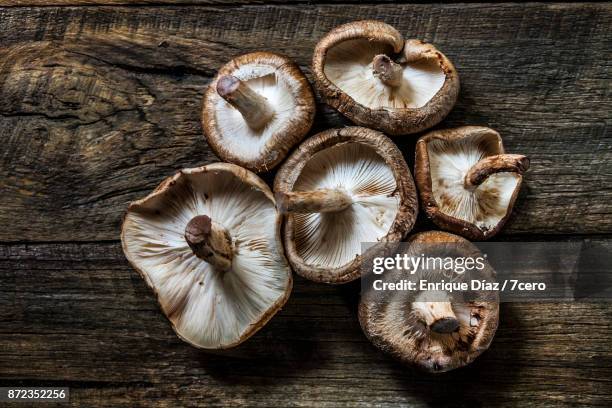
{"type": "Point", "coordinates": [100, 101]}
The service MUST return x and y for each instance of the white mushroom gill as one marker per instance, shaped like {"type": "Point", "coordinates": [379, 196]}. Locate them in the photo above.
{"type": "Point", "coordinates": [334, 239]}
{"type": "Point", "coordinates": [209, 308]}
{"type": "Point", "coordinates": [449, 162]}
{"type": "Point", "coordinates": [238, 137]}
{"type": "Point", "coordinates": [349, 66]}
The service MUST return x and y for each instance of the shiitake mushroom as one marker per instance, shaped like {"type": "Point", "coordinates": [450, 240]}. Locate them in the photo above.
{"type": "Point", "coordinates": [466, 181]}
{"type": "Point", "coordinates": [370, 74]}
{"type": "Point", "coordinates": [339, 189]}
{"type": "Point", "coordinates": [435, 331]}
{"type": "Point", "coordinates": [207, 242]}
{"type": "Point", "coordinates": [256, 109]}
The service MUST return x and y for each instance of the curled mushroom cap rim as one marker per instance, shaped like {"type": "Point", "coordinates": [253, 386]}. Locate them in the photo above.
{"type": "Point", "coordinates": [430, 81]}
{"type": "Point", "coordinates": [258, 106]}
{"type": "Point", "coordinates": [372, 149]}
{"type": "Point", "coordinates": [156, 203]}
{"type": "Point", "coordinates": [452, 164]}
{"type": "Point", "coordinates": [402, 327]}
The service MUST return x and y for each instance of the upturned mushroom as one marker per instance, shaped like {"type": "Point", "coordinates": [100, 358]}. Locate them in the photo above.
{"type": "Point", "coordinates": [467, 183]}
{"type": "Point", "coordinates": [339, 189]}
{"type": "Point", "coordinates": [207, 242]}
{"type": "Point", "coordinates": [434, 330]}
{"type": "Point", "coordinates": [256, 109]}
{"type": "Point", "coordinates": [368, 72]}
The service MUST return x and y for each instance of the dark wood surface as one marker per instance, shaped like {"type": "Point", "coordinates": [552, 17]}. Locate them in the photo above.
{"type": "Point", "coordinates": [99, 104]}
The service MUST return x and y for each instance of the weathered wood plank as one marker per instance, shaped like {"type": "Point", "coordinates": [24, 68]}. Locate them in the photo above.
{"type": "Point", "coordinates": [144, 3]}
{"type": "Point", "coordinates": [78, 315]}
{"type": "Point", "coordinates": [49, 3]}
{"type": "Point", "coordinates": [76, 3]}
{"type": "Point", "coordinates": [100, 104]}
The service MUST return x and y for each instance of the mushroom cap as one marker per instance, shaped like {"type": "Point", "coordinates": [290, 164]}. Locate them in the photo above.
{"type": "Point", "coordinates": [343, 74]}
{"type": "Point", "coordinates": [326, 247]}
{"type": "Point", "coordinates": [443, 158]}
{"type": "Point", "coordinates": [209, 308]}
{"type": "Point", "coordinates": [388, 318]}
{"type": "Point", "coordinates": [286, 89]}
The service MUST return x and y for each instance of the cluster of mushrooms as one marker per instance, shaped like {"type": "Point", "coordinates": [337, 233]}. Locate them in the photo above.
{"type": "Point", "coordinates": [217, 245]}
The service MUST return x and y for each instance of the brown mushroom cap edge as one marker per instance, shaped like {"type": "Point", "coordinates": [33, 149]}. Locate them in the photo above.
{"type": "Point", "coordinates": [391, 121]}
{"type": "Point", "coordinates": [392, 156]}
{"type": "Point", "coordinates": [423, 178]}
{"type": "Point", "coordinates": [410, 350]}
{"type": "Point", "coordinates": [165, 188]}
{"type": "Point", "coordinates": [295, 127]}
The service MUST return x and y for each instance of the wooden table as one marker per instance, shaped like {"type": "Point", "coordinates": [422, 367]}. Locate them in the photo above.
{"type": "Point", "coordinates": [99, 102]}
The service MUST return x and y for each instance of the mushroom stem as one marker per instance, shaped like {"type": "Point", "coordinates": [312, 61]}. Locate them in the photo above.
{"type": "Point", "coordinates": [478, 173]}
{"type": "Point", "coordinates": [254, 108]}
{"type": "Point", "coordinates": [388, 71]}
{"type": "Point", "coordinates": [318, 201]}
{"type": "Point", "coordinates": [209, 241]}
{"type": "Point", "coordinates": [437, 315]}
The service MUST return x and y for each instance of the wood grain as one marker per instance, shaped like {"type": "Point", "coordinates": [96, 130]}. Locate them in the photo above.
{"type": "Point", "coordinates": [100, 104]}
{"type": "Point", "coordinates": [77, 315]}
{"type": "Point", "coordinates": [77, 3]}
{"type": "Point", "coordinates": [50, 3]}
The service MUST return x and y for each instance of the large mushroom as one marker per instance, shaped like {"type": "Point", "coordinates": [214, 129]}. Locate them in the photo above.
{"type": "Point", "coordinates": [367, 71]}
{"type": "Point", "coordinates": [256, 109]}
{"type": "Point", "coordinates": [340, 189]}
{"type": "Point", "coordinates": [207, 242]}
{"type": "Point", "coordinates": [467, 183]}
{"type": "Point", "coordinates": [434, 330]}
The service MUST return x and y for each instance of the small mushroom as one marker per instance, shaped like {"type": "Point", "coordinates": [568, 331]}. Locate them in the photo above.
{"type": "Point", "coordinates": [207, 242]}
{"type": "Point", "coordinates": [342, 188]}
{"type": "Point", "coordinates": [256, 109]}
{"type": "Point", "coordinates": [467, 184]}
{"type": "Point", "coordinates": [367, 71]}
{"type": "Point", "coordinates": [435, 331]}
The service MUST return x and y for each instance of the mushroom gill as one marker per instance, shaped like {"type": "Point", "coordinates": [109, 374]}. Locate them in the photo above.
{"type": "Point", "coordinates": [340, 189]}
{"type": "Point", "coordinates": [414, 343]}
{"type": "Point", "coordinates": [207, 242]}
{"type": "Point", "coordinates": [334, 238]}
{"type": "Point", "coordinates": [366, 71]}
{"type": "Point", "coordinates": [257, 107]}
{"type": "Point", "coordinates": [369, 73]}
{"type": "Point", "coordinates": [435, 330]}
{"type": "Point", "coordinates": [467, 183]}
{"type": "Point", "coordinates": [250, 141]}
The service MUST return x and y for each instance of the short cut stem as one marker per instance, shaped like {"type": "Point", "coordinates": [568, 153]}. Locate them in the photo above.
{"type": "Point", "coordinates": [388, 71]}
{"type": "Point", "coordinates": [255, 109]}
{"type": "Point", "coordinates": [210, 242]}
{"type": "Point", "coordinates": [318, 201]}
{"type": "Point", "coordinates": [478, 173]}
{"type": "Point", "coordinates": [438, 314]}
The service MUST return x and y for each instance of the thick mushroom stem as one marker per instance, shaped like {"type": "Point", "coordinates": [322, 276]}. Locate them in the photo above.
{"type": "Point", "coordinates": [437, 315]}
{"type": "Point", "coordinates": [318, 201]}
{"type": "Point", "coordinates": [254, 108]}
{"type": "Point", "coordinates": [388, 71]}
{"type": "Point", "coordinates": [210, 242]}
{"type": "Point", "coordinates": [478, 173]}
